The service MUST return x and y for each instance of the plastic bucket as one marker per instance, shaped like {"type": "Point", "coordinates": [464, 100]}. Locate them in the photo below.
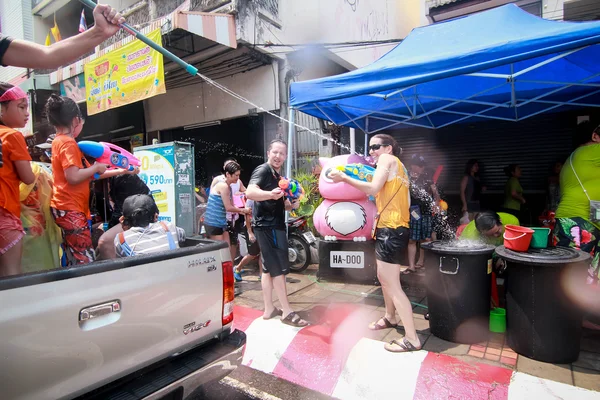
{"type": "Point", "coordinates": [517, 238]}
{"type": "Point", "coordinates": [540, 238]}
{"type": "Point", "coordinates": [498, 320]}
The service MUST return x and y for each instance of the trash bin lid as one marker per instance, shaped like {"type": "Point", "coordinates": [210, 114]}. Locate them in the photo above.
{"type": "Point", "coordinates": [550, 255]}
{"type": "Point", "coordinates": [459, 247]}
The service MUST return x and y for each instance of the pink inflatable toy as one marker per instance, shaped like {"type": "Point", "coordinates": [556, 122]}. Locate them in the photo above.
{"type": "Point", "coordinates": [346, 213]}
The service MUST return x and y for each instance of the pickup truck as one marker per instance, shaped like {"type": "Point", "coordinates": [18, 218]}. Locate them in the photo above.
{"type": "Point", "coordinates": [157, 326]}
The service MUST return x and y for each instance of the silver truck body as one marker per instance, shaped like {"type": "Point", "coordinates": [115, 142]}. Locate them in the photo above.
{"type": "Point", "coordinates": [72, 332]}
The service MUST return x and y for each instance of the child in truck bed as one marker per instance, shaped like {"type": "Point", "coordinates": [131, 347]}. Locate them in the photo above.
{"type": "Point", "coordinates": [142, 232]}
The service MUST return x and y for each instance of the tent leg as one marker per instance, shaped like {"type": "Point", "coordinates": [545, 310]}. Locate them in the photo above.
{"type": "Point", "coordinates": [352, 141]}
{"type": "Point", "coordinates": [366, 144]}
{"type": "Point", "coordinates": [290, 142]}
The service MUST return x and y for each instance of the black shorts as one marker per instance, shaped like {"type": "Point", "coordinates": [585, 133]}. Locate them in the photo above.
{"type": "Point", "coordinates": [274, 251]}
{"type": "Point", "coordinates": [234, 229]}
{"type": "Point", "coordinates": [391, 244]}
{"type": "Point", "coordinates": [213, 230]}
{"type": "Point", "coordinates": [253, 248]}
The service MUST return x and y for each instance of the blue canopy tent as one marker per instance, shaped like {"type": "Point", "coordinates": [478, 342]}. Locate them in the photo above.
{"type": "Point", "coordinates": [503, 64]}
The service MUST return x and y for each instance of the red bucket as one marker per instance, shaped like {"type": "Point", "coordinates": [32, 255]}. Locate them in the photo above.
{"type": "Point", "coordinates": [517, 238]}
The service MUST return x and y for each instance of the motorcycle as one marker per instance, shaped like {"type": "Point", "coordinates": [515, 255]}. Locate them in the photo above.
{"type": "Point", "coordinates": [300, 242]}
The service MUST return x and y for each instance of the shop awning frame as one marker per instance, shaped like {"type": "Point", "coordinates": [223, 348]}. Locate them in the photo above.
{"type": "Point", "coordinates": [525, 67]}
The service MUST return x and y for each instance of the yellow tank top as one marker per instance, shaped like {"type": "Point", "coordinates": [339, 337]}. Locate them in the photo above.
{"type": "Point", "coordinates": [393, 200]}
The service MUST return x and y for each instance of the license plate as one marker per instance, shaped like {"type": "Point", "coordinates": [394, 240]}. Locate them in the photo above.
{"type": "Point", "coordinates": [347, 259]}
{"type": "Point", "coordinates": [310, 238]}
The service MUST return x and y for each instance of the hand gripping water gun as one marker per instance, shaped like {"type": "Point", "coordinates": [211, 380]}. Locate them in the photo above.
{"type": "Point", "coordinates": [292, 188]}
{"type": "Point", "coordinates": [361, 172]}
{"type": "Point", "coordinates": [108, 153]}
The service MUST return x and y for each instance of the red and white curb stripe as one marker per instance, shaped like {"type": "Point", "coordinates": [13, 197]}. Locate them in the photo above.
{"type": "Point", "coordinates": [334, 358]}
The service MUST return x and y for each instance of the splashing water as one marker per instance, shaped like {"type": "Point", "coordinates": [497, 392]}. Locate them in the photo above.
{"type": "Point", "coordinates": [444, 226]}
{"type": "Point", "coordinates": [245, 100]}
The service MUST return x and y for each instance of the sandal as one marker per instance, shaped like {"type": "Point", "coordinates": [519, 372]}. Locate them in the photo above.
{"type": "Point", "coordinates": [274, 313]}
{"type": "Point", "coordinates": [405, 346]}
{"type": "Point", "coordinates": [374, 326]}
{"type": "Point", "coordinates": [294, 319]}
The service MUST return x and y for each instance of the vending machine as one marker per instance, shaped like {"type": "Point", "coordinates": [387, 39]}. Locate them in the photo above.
{"type": "Point", "coordinates": [168, 170]}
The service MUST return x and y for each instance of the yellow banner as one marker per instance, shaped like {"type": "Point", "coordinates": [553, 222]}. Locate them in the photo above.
{"type": "Point", "coordinates": [125, 75]}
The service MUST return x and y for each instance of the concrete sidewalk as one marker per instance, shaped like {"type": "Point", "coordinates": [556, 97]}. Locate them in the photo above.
{"type": "Point", "coordinates": [316, 302]}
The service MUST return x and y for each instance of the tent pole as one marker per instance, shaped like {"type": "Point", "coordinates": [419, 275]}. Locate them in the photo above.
{"type": "Point", "coordinates": [366, 144]}
{"type": "Point", "coordinates": [290, 142]}
{"type": "Point", "coordinates": [352, 140]}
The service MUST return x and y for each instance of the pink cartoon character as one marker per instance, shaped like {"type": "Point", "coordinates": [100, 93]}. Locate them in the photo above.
{"type": "Point", "coordinates": [346, 213]}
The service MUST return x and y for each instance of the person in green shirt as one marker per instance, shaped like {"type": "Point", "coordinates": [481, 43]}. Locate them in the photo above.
{"type": "Point", "coordinates": [489, 227]}
{"type": "Point", "coordinates": [513, 192]}
{"type": "Point", "coordinates": [579, 186]}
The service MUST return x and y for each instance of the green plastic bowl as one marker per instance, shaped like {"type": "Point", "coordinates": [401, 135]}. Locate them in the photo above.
{"type": "Point", "coordinates": [540, 238]}
{"type": "Point", "coordinates": [498, 320]}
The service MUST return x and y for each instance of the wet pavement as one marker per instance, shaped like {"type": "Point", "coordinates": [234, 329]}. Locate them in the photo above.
{"type": "Point", "coordinates": [247, 383]}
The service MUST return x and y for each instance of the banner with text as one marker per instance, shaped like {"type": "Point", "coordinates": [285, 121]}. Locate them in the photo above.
{"type": "Point", "coordinates": [125, 75]}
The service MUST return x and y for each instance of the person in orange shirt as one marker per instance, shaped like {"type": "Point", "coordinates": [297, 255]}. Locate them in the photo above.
{"type": "Point", "coordinates": [390, 186]}
{"type": "Point", "coordinates": [17, 168]}
{"type": "Point", "coordinates": [72, 175]}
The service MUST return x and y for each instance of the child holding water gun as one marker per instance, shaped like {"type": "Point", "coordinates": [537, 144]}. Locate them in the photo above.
{"type": "Point", "coordinates": [17, 168]}
{"type": "Point", "coordinates": [72, 177]}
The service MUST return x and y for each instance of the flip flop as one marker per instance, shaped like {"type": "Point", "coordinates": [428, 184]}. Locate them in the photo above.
{"type": "Point", "coordinates": [408, 271]}
{"type": "Point", "coordinates": [274, 313]}
{"type": "Point", "coordinates": [404, 346]}
{"type": "Point", "coordinates": [374, 326]}
{"type": "Point", "coordinates": [294, 319]}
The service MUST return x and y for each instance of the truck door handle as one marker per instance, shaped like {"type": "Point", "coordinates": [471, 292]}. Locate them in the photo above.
{"type": "Point", "coordinates": [99, 310]}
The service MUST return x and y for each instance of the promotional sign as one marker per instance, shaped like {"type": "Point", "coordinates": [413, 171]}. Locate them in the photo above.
{"type": "Point", "coordinates": [158, 173]}
{"type": "Point", "coordinates": [74, 88]}
{"type": "Point", "coordinates": [125, 75]}
{"type": "Point", "coordinates": [168, 170]}
{"type": "Point", "coordinates": [137, 140]}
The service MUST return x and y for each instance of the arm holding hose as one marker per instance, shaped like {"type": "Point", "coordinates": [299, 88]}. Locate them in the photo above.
{"type": "Point", "coordinates": [26, 54]}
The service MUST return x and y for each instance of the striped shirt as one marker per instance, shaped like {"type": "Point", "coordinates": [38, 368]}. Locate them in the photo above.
{"type": "Point", "coordinates": [151, 239]}
{"type": "Point", "coordinates": [215, 214]}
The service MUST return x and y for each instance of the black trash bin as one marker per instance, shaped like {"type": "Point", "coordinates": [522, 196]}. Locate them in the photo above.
{"type": "Point", "coordinates": [542, 321]}
{"type": "Point", "coordinates": [458, 281]}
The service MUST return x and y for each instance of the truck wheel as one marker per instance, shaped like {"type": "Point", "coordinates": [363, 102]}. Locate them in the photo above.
{"type": "Point", "coordinates": [299, 253]}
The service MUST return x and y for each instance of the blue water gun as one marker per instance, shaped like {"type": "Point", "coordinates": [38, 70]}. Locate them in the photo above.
{"type": "Point", "coordinates": [292, 188]}
{"type": "Point", "coordinates": [360, 172]}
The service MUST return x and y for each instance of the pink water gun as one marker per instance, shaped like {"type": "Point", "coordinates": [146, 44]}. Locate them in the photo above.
{"type": "Point", "coordinates": [108, 153]}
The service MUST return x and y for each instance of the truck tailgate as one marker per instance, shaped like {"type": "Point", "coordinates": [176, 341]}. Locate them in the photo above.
{"type": "Point", "coordinates": [76, 329]}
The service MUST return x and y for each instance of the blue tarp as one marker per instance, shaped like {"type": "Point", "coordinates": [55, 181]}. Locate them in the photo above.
{"type": "Point", "coordinates": [500, 64]}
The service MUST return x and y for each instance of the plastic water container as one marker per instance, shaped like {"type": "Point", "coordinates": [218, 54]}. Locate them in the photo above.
{"type": "Point", "coordinates": [517, 238]}
{"type": "Point", "coordinates": [498, 320]}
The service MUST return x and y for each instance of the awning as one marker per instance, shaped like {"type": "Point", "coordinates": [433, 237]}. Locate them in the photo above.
{"type": "Point", "coordinates": [220, 28]}
{"type": "Point", "coordinates": [501, 64]}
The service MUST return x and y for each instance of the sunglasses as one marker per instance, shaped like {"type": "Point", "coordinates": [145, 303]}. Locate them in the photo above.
{"type": "Point", "coordinates": [377, 146]}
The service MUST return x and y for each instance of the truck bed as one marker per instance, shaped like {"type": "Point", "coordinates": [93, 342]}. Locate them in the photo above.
{"type": "Point", "coordinates": [67, 332]}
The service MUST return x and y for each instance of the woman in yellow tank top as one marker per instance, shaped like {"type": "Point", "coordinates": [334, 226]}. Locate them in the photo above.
{"type": "Point", "coordinates": [390, 186]}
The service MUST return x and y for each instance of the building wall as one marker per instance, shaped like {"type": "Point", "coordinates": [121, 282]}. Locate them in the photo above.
{"type": "Point", "coordinates": [15, 21]}
{"type": "Point", "coordinates": [202, 102]}
{"type": "Point", "coordinates": [553, 9]}
{"type": "Point", "coordinates": [316, 21]}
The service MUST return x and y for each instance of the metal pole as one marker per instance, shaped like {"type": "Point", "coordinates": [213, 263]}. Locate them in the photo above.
{"type": "Point", "coordinates": [366, 144]}
{"type": "Point", "coordinates": [352, 140]}
{"type": "Point", "coordinates": [290, 142]}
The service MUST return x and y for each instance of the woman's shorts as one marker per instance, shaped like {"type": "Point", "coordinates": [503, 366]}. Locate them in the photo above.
{"type": "Point", "coordinates": [391, 244]}
{"type": "Point", "coordinates": [11, 230]}
{"type": "Point", "coordinates": [214, 230]}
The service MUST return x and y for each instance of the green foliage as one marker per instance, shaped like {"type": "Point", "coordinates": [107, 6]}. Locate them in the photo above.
{"type": "Point", "coordinates": [312, 198]}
